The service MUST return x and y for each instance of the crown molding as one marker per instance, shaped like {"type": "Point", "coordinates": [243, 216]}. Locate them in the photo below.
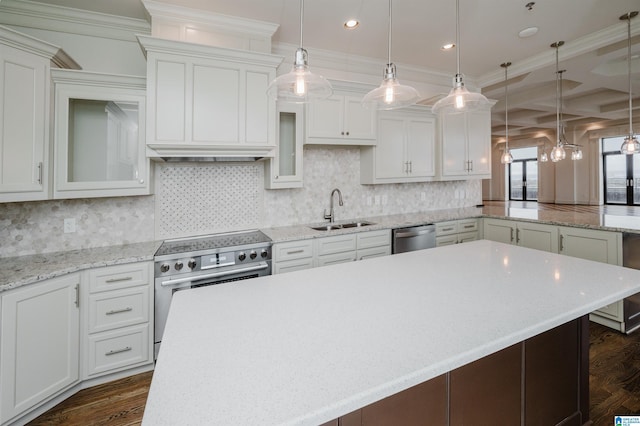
{"type": "Point", "coordinates": [204, 19]}
{"type": "Point", "coordinates": [38, 47]}
{"type": "Point", "coordinates": [571, 49]}
{"type": "Point", "coordinates": [30, 14]}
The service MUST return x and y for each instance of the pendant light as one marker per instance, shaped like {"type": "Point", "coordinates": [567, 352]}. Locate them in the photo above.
{"type": "Point", "coordinates": [630, 145]}
{"type": "Point", "coordinates": [506, 158]}
{"type": "Point", "coordinates": [558, 153]}
{"type": "Point", "coordinates": [300, 85]}
{"type": "Point", "coordinates": [459, 98]}
{"type": "Point", "coordinates": [544, 157]}
{"type": "Point", "coordinates": [390, 94]}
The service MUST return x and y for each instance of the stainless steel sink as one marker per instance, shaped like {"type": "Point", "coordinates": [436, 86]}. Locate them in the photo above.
{"type": "Point", "coordinates": [331, 226]}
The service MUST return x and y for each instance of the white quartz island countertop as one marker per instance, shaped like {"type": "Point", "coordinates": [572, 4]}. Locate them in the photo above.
{"type": "Point", "coordinates": [306, 347]}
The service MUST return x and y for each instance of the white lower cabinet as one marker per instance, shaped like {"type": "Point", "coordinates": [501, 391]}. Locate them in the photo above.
{"type": "Point", "coordinates": [525, 234]}
{"type": "Point", "coordinates": [39, 344]}
{"type": "Point", "coordinates": [456, 232]}
{"type": "Point", "coordinates": [303, 254]}
{"type": "Point", "coordinates": [61, 332]}
{"type": "Point", "coordinates": [117, 322]}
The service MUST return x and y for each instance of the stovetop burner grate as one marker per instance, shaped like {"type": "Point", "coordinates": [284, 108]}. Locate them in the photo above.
{"type": "Point", "coordinates": [212, 242]}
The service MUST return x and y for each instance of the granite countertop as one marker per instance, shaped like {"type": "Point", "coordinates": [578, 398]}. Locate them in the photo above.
{"type": "Point", "coordinates": [23, 270]}
{"type": "Point", "coordinates": [318, 345]}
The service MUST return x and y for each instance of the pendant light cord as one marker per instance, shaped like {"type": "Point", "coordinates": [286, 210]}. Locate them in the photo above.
{"type": "Point", "coordinates": [629, 74]}
{"type": "Point", "coordinates": [557, 98]}
{"type": "Point", "coordinates": [458, 36]}
{"type": "Point", "coordinates": [506, 106]}
{"type": "Point", "coordinates": [301, 19]}
{"type": "Point", "coordinates": [389, 48]}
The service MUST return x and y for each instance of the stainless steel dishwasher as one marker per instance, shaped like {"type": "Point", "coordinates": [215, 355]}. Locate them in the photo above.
{"type": "Point", "coordinates": [413, 238]}
{"type": "Point", "coordinates": [631, 259]}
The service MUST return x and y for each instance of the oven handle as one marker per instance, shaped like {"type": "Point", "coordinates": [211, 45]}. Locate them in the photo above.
{"type": "Point", "coordinates": [261, 265]}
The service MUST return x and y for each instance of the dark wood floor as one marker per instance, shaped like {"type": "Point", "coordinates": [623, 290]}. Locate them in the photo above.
{"type": "Point", "coordinates": [614, 384]}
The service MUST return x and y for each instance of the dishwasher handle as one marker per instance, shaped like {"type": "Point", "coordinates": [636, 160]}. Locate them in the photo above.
{"type": "Point", "coordinates": [408, 234]}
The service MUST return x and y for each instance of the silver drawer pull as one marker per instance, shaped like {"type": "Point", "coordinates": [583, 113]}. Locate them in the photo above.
{"type": "Point", "coordinates": [469, 226]}
{"type": "Point", "coordinates": [119, 311]}
{"type": "Point", "coordinates": [117, 351]}
{"type": "Point", "coordinates": [447, 229]}
{"type": "Point", "coordinates": [295, 251]}
{"type": "Point", "coordinates": [116, 280]}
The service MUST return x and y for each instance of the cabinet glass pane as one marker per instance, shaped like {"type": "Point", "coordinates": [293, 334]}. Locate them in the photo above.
{"type": "Point", "coordinates": [103, 141]}
{"type": "Point", "coordinates": [287, 158]}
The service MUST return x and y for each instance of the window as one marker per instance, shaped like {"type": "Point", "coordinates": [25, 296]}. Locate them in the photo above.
{"type": "Point", "coordinates": [621, 173]}
{"type": "Point", "coordinates": [523, 174]}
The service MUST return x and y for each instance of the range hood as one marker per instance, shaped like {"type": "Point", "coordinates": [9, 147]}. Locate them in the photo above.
{"type": "Point", "coordinates": [179, 152]}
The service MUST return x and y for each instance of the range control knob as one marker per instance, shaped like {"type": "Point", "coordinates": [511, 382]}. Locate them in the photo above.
{"type": "Point", "coordinates": [264, 253]}
{"type": "Point", "coordinates": [191, 264]}
{"type": "Point", "coordinates": [253, 254]}
{"type": "Point", "coordinates": [165, 267]}
{"type": "Point", "coordinates": [178, 265]}
{"type": "Point", "coordinates": [242, 256]}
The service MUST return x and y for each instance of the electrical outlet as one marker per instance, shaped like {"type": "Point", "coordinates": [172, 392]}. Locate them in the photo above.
{"type": "Point", "coordinates": [369, 200]}
{"type": "Point", "coordinates": [384, 199]}
{"type": "Point", "coordinates": [423, 196]}
{"type": "Point", "coordinates": [69, 225]}
{"type": "Point", "coordinates": [377, 200]}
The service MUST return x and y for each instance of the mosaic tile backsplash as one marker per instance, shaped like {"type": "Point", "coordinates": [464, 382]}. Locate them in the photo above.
{"type": "Point", "coordinates": [202, 198]}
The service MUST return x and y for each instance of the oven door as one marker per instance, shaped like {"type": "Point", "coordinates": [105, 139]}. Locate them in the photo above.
{"type": "Point", "coordinates": [166, 287]}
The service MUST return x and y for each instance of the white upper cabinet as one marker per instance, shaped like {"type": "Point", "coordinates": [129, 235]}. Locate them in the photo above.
{"type": "Point", "coordinates": [99, 135]}
{"type": "Point", "coordinates": [405, 149]}
{"type": "Point", "coordinates": [465, 147]}
{"type": "Point", "coordinates": [285, 170]}
{"type": "Point", "coordinates": [341, 119]}
{"type": "Point", "coordinates": [25, 64]}
{"type": "Point", "coordinates": [208, 101]}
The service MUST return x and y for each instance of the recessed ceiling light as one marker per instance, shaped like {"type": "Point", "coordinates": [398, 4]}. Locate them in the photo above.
{"type": "Point", "coordinates": [351, 24]}
{"type": "Point", "coordinates": [528, 32]}
{"type": "Point", "coordinates": [448, 46]}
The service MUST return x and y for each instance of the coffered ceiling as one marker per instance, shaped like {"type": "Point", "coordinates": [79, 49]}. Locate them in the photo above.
{"type": "Point", "coordinates": [594, 55]}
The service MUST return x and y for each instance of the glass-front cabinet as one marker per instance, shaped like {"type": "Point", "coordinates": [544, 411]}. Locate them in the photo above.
{"type": "Point", "coordinates": [99, 139]}
{"type": "Point", "coordinates": [285, 169]}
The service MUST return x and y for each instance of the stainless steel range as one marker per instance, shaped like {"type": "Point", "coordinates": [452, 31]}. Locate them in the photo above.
{"type": "Point", "coordinates": [186, 263]}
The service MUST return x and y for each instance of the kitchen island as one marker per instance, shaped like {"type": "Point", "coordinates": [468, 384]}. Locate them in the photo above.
{"type": "Point", "coordinates": [311, 346]}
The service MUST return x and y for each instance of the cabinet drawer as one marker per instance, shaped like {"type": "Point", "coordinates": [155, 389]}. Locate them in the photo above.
{"type": "Point", "coordinates": [337, 244]}
{"type": "Point", "coordinates": [465, 237]}
{"type": "Point", "coordinates": [118, 349]}
{"type": "Point", "coordinates": [332, 259]}
{"type": "Point", "coordinates": [292, 250]}
{"type": "Point", "coordinates": [468, 225]}
{"type": "Point", "coordinates": [373, 239]}
{"type": "Point", "coordinates": [119, 276]}
{"type": "Point", "coordinates": [109, 310]}
{"type": "Point", "coordinates": [292, 265]}
{"type": "Point", "coordinates": [446, 240]}
{"type": "Point", "coordinates": [374, 252]}
{"type": "Point", "coordinates": [446, 228]}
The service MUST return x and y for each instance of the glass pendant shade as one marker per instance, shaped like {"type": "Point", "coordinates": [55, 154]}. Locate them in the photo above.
{"type": "Point", "coordinates": [630, 145]}
{"type": "Point", "coordinates": [506, 158]}
{"type": "Point", "coordinates": [459, 99]}
{"type": "Point", "coordinates": [390, 94]}
{"type": "Point", "coordinates": [576, 155]}
{"type": "Point", "coordinates": [299, 85]}
{"type": "Point", "coordinates": [558, 153]}
{"type": "Point", "coordinates": [544, 157]}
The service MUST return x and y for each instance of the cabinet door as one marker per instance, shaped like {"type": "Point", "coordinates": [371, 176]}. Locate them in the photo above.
{"type": "Point", "coordinates": [285, 169]}
{"type": "Point", "coordinates": [502, 231]}
{"type": "Point", "coordinates": [599, 246]}
{"type": "Point", "coordinates": [420, 147]}
{"type": "Point", "coordinates": [39, 343]}
{"type": "Point", "coordinates": [479, 143]}
{"type": "Point", "coordinates": [24, 125]}
{"type": "Point", "coordinates": [359, 122]}
{"type": "Point", "coordinates": [537, 236]}
{"type": "Point", "coordinates": [389, 152]}
{"type": "Point", "coordinates": [324, 118]}
{"type": "Point", "coordinates": [454, 141]}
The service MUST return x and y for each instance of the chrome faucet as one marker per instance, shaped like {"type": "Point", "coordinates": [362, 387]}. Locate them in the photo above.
{"type": "Point", "coordinates": [331, 216]}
